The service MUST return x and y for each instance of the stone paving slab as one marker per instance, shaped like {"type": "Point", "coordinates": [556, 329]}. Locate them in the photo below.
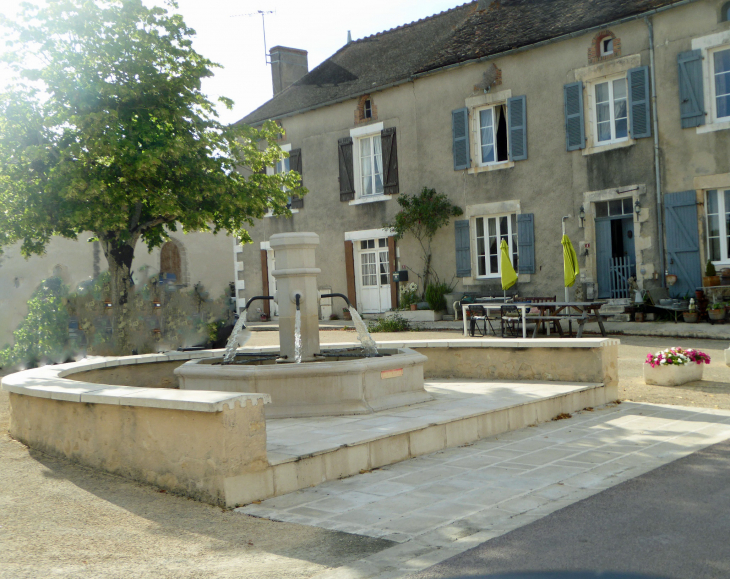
{"type": "Point", "coordinates": [440, 505]}
{"type": "Point", "coordinates": [291, 438]}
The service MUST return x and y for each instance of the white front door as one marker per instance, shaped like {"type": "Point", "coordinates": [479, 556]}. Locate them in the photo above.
{"type": "Point", "coordinates": [372, 276]}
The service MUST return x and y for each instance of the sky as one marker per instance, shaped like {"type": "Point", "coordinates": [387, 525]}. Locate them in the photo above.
{"type": "Point", "coordinates": [229, 32]}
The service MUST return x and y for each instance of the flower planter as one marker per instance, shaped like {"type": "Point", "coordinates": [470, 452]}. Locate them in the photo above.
{"type": "Point", "coordinates": [673, 374]}
{"type": "Point", "coordinates": [690, 317]}
{"type": "Point", "coordinates": [716, 315]}
{"type": "Point", "coordinates": [711, 281]}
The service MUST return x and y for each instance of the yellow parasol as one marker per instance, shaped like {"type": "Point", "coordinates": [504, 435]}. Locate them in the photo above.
{"type": "Point", "coordinates": [509, 277]}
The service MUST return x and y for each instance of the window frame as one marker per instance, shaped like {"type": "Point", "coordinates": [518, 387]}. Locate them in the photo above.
{"type": "Point", "coordinates": [601, 50]}
{"type": "Point", "coordinates": [358, 133]}
{"type": "Point", "coordinates": [512, 242]}
{"type": "Point", "coordinates": [273, 171]}
{"type": "Point", "coordinates": [722, 209]}
{"type": "Point", "coordinates": [594, 88]}
{"type": "Point", "coordinates": [712, 74]}
{"type": "Point", "coordinates": [371, 138]}
{"type": "Point", "coordinates": [478, 132]}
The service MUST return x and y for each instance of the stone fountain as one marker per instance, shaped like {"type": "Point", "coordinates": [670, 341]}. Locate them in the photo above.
{"type": "Point", "coordinates": [302, 379]}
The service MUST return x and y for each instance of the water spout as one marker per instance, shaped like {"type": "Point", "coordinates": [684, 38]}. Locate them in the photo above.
{"type": "Point", "coordinates": [298, 335]}
{"type": "Point", "coordinates": [368, 344]}
{"type": "Point", "coordinates": [240, 333]}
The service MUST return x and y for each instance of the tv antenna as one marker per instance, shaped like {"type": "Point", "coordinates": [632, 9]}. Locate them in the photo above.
{"type": "Point", "coordinates": [263, 14]}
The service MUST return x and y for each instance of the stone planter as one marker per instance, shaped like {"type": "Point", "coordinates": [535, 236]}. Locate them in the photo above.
{"type": "Point", "coordinates": [711, 281]}
{"type": "Point", "coordinates": [690, 317]}
{"type": "Point", "coordinates": [417, 316]}
{"type": "Point", "coordinates": [672, 374]}
{"type": "Point", "coordinates": [717, 315]}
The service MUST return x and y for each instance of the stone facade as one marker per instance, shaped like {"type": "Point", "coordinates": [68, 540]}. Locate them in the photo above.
{"type": "Point", "coordinates": [550, 183]}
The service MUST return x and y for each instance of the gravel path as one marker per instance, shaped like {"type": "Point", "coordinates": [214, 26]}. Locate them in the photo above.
{"type": "Point", "coordinates": [60, 519]}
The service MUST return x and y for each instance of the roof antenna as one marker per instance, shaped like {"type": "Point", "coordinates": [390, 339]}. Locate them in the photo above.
{"type": "Point", "coordinates": [263, 24]}
{"type": "Point", "coordinates": [349, 37]}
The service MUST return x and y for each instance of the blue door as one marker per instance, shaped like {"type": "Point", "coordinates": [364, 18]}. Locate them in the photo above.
{"type": "Point", "coordinates": [683, 242]}
{"type": "Point", "coordinates": [603, 257]}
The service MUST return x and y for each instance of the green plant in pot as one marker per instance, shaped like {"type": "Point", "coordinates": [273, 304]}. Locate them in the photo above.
{"type": "Point", "coordinates": [711, 278]}
{"type": "Point", "coordinates": [716, 312]}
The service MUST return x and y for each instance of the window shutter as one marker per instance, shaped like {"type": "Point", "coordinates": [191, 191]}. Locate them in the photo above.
{"type": "Point", "coordinates": [460, 134]}
{"type": "Point", "coordinates": [390, 161]}
{"type": "Point", "coordinates": [295, 164]}
{"type": "Point", "coordinates": [526, 243]}
{"type": "Point", "coordinates": [517, 118]}
{"type": "Point", "coordinates": [691, 90]}
{"type": "Point", "coordinates": [463, 253]}
{"type": "Point", "coordinates": [347, 179]}
{"type": "Point", "coordinates": [575, 135]}
{"type": "Point", "coordinates": [639, 102]}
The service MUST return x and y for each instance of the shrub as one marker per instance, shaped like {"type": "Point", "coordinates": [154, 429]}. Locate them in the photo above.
{"type": "Point", "coordinates": [710, 270]}
{"type": "Point", "coordinates": [435, 293]}
{"type": "Point", "coordinates": [395, 323]}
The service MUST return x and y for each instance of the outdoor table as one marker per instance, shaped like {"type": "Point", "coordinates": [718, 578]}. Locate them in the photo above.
{"type": "Point", "coordinates": [498, 306]}
{"type": "Point", "coordinates": [588, 311]}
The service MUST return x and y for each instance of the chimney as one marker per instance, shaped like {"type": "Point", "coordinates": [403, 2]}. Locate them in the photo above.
{"type": "Point", "coordinates": [288, 65]}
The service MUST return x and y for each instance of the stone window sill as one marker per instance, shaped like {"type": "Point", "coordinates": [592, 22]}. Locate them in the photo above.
{"type": "Point", "coordinates": [611, 147]}
{"type": "Point", "coordinates": [370, 199]}
{"type": "Point", "coordinates": [495, 167]}
{"type": "Point", "coordinates": [712, 127]}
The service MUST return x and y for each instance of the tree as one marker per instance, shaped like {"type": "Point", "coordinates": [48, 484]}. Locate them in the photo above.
{"type": "Point", "coordinates": [422, 216]}
{"type": "Point", "coordinates": [106, 130]}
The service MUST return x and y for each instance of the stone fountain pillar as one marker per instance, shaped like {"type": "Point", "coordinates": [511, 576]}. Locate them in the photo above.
{"type": "Point", "coordinates": [296, 274]}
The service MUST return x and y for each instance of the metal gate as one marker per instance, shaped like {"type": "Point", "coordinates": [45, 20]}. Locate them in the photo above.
{"type": "Point", "coordinates": [619, 272]}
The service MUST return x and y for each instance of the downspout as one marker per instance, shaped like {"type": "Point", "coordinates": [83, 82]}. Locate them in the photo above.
{"type": "Point", "coordinates": [658, 177]}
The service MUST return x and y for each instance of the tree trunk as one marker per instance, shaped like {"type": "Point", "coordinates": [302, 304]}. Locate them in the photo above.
{"type": "Point", "coordinates": [119, 256]}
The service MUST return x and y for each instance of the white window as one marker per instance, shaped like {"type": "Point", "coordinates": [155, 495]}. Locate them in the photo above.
{"type": "Point", "coordinates": [606, 46]}
{"type": "Point", "coordinates": [611, 111]}
{"type": "Point", "coordinates": [490, 231]}
{"type": "Point", "coordinates": [718, 225]}
{"type": "Point", "coordinates": [721, 83]}
{"type": "Point", "coordinates": [492, 135]}
{"type": "Point", "coordinates": [371, 165]}
{"type": "Point", "coordinates": [282, 166]}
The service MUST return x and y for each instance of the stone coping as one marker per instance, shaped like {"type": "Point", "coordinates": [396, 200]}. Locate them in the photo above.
{"type": "Point", "coordinates": [50, 382]}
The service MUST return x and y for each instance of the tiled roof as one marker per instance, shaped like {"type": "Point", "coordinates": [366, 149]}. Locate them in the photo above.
{"type": "Point", "coordinates": [457, 35]}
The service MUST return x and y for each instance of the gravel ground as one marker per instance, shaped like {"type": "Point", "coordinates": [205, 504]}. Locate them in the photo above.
{"type": "Point", "coordinates": [61, 519]}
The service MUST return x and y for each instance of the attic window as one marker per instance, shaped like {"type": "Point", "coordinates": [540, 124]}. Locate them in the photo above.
{"type": "Point", "coordinates": [367, 110]}
{"type": "Point", "coordinates": [607, 46]}
{"type": "Point", "coordinates": [725, 12]}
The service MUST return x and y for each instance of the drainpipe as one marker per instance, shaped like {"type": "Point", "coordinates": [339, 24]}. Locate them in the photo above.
{"type": "Point", "coordinates": [655, 120]}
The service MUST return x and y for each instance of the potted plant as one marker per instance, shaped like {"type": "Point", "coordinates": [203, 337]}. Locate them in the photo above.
{"type": "Point", "coordinates": [346, 314]}
{"type": "Point", "coordinates": [725, 275]}
{"type": "Point", "coordinates": [711, 278]}
{"type": "Point", "coordinates": [690, 316]}
{"type": "Point", "coordinates": [716, 312]}
{"type": "Point", "coordinates": [674, 366]}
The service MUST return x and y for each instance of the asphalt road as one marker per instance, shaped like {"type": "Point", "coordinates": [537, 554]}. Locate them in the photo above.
{"type": "Point", "coordinates": [672, 522]}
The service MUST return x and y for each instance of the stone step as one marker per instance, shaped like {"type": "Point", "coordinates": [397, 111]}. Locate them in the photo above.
{"type": "Point", "coordinates": [610, 310]}
{"type": "Point", "coordinates": [619, 318]}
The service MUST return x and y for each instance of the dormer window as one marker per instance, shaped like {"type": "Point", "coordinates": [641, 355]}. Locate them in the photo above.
{"type": "Point", "coordinates": [607, 46]}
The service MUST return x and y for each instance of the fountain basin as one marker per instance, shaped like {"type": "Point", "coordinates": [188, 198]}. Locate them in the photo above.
{"type": "Point", "coordinates": [329, 387]}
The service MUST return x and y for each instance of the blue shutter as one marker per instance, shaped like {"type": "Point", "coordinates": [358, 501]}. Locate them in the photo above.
{"type": "Point", "coordinates": [691, 90]}
{"type": "Point", "coordinates": [526, 243]}
{"type": "Point", "coordinates": [460, 133]}
{"type": "Point", "coordinates": [639, 102]}
{"type": "Point", "coordinates": [575, 135]}
{"type": "Point", "coordinates": [463, 253]}
{"type": "Point", "coordinates": [517, 119]}
{"type": "Point", "coordinates": [683, 242]}
{"type": "Point", "coordinates": [603, 257]}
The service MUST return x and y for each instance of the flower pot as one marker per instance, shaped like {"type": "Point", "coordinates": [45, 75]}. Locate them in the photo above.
{"type": "Point", "coordinates": [414, 307]}
{"type": "Point", "coordinates": [690, 317]}
{"type": "Point", "coordinates": [716, 315]}
{"type": "Point", "coordinates": [672, 374]}
{"type": "Point", "coordinates": [710, 281]}
{"type": "Point", "coordinates": [639, 316]}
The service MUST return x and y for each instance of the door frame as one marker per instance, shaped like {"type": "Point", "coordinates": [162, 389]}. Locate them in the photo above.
{"type": "Point", "coordinates": [352, 238]}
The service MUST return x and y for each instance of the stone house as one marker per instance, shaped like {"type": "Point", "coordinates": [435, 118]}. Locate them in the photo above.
{"type": "Point", "coordinates": [608, 116]}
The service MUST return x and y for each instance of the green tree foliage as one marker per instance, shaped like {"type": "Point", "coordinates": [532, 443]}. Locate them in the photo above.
{"type": "Point", "coordinates": [43, 335]}
{"type": "Point", "coordinates": [106, 130]}
{"type": "Point", "coordinates": [422, 216]}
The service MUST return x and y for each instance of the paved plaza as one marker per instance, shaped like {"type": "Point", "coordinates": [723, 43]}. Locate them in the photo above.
{"type": "Point", "coordinates": [443, 504]}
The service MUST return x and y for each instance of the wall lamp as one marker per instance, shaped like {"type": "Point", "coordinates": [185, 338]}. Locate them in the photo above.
{"type": "Point", "coordinates": [637, 208]}
{"type": "Point", "coordinates": [581, 215]}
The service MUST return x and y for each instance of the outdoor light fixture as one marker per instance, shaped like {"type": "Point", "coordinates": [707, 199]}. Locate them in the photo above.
{"type": "Point", "coordinates": [582, 215]}
{"type": "Point", "coordinates": [637, 208]}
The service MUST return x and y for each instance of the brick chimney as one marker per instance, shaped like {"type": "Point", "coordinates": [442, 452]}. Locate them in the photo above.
{"type": "Point", "coordinates": [288, 65]}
